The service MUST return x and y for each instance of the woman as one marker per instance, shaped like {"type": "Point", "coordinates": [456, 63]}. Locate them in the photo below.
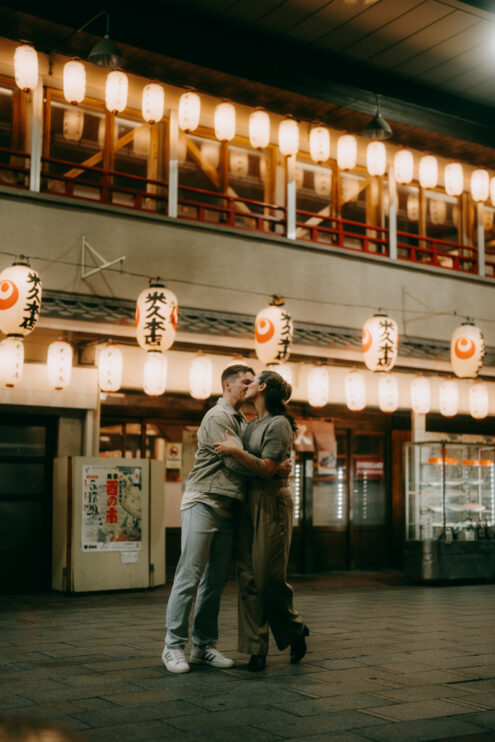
{"type": "Point", "coordinates": [264, 525]}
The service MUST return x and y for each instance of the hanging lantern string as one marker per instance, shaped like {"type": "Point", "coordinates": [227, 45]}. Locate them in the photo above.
{"type": "Point", "coordinates": [148, 276]}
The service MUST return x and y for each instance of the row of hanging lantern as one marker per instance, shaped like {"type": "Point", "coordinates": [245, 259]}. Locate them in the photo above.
{"type": "Point", "coordinates": [153, 109]}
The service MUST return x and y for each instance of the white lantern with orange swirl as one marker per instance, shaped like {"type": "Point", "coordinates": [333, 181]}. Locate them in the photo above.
{"type": "Point", "coordinates": [273, 332]}
{"type": "Point", "coordinates": [156, 316]}
{"type": "Point", "coordinates": [380, 342]}
{"type": "Point", "coordinates": [467, 348]}
{"type": "Point", "coordinates": [20, 298]}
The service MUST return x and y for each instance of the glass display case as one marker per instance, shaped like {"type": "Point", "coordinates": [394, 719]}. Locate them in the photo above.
{"type": "Point", "coordinates": [450, 510]}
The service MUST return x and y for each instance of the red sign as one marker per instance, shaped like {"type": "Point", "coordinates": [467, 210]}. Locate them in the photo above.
{"type": "Point", "coordinates": [368, 468]}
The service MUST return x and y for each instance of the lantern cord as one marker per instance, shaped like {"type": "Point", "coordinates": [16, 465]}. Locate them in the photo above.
{"type": "Point", "coordinates": [120, 271]}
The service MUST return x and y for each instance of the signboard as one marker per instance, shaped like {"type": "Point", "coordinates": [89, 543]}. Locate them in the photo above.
{"type": "Point", "coordinates": [111, 508]}
{"type": "Point", "coordinates": [366, 467]}
{"type": "Point", "coordinates": [174, 455]}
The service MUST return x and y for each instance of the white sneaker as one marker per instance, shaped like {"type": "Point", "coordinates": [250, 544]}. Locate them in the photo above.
{"type": "Point", "coordinates": [209, 655]}
{"type": "Point", "coordinates": [175, 660]}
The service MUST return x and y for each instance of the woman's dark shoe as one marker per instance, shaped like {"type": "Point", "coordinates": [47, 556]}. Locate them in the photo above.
{"type": "Point", "coordinates": [298, 646]}
{"type": "Point", "coordinates": [257, 662]}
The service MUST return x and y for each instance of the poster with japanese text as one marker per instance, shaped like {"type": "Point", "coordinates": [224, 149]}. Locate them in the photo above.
{"type": "Point", "coordinates": [111, 508]}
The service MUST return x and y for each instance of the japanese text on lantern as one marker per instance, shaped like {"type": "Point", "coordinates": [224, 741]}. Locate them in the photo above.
{"type": "Point", "coordinates": [386, 343]}
{"type": "Point", "coordinates": [285, 337]}
{"type": "Point", "coordinates": [33, 304]}
{"type": "Point", "coordinates": [154, 326]}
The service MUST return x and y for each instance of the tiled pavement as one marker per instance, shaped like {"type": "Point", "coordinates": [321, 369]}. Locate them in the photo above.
{"type": "Point", "coordinates": [387, 661]}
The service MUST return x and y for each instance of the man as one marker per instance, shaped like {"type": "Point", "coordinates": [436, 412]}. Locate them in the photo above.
{"type": "Point", "coordinates": [212, 487]}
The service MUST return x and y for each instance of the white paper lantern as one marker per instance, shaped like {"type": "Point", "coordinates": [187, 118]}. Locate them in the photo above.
{"type": "Point", "coordinates": [155, 373]}
{"type": "Point", "coordinates": [467, 349]}
{"type": "Point", "coordinates": [285, 371]}
{"type": "Point", "coordinates": [11, 361]}
{"type": "Point", "coordinates": [110, 368]}
{"type": "Point", "coordinates": [388, 393]}
{"type": "Point", "coordinates": [319, 144]}
{"type": "Point", "coordinates": [73, 124]}
{"type": "Point", "coordinates": [347, 152]}
{"type": "Point", "coordinates": [210, 151]}
{"type": "Point", "coordinates": [141, 141]}
{"type": "Point", "coordinates": [428, 172]}
{"type": "Point", "coordinates": [20, 298]}
{"type": "Point", "coordinates": [156, 317]}
{"type": "Point", "coordinates": [420, 395]}
{"type": "Point", "coordinates": [380, 342]}
{"type": "Point", "coordinates": [449, 397]}
{"type": "Point", "coordinates": [189, 111]}
{"type": "Point", "coordinates": [200, 377]}
{"type": "Point", "coordinates": [454, 179]}
{"type": "Point", "coordinates": [438, 211]}
{"type": "Point", "coordinates": [478, 400]}
{"type": "Point", "coordinates": [116, 91]}
{"type": "Point", "coordinates": [480, 185]}
{"type": "Point", "coordinates": [492, 191]}
{"type": "Point", "coordinates": [239, 163]}
{"type": "Point", "coordinates": [153, 103]}
{"type": "Point", "coordinates": [404, 166]}
{"type": "Point", "coordinates": [412, 208]}
{"type": "Point", "coordinates": [288, 137]}
{"type": "Point", "coordinates": [273, 332]}
{"type": "Point", "coordinates": [74, 82]}
{"type": "Point", "coordinates": [59, 364]}
{"type": "Point", "coordinates": [259, 129]}
{"type": "Point", "coordinates": [323, 183]}
{"type": "Point", "coordinates": [225, 122]}
{"type": "Point", "coordinates": [318, 386]}
{"type": "Point", "coordinates": [355, 390]}
{"type": "Point", "coordinates": [26, 67]}
{"type": "Point", "coordinates": [376, 158]}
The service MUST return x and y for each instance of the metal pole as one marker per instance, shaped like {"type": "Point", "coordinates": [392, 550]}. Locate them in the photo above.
{"type": "Point", "coordinates": [481, 240]}
{"type": "Point", "coordinates": [392, 215]}
{"type": "Point", "coordinates": [173, 165]}
{"type": "Point", "coordinates": [36, 137]}
{"type": "Point", "coordinates": [291, 197]}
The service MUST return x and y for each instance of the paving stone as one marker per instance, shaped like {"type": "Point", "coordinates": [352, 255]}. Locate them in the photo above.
{"type": "Point", "coordinates": [419, 710]}
{"type": "Point", "coordinates": [420, 731]}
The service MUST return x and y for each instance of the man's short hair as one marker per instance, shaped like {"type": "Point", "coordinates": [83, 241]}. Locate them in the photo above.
{"type": "Point", "coordinates": [231, 371]}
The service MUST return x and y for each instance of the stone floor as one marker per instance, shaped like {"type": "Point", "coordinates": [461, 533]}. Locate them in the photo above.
{"type": "Point", "coordinates": [387, 661]}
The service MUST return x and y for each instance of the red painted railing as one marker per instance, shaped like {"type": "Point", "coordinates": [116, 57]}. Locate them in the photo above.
{"type": "Point", "coordinates": [432, 251]}
{"type": "Point", "coordinates": [14, 168]}
{"type": "Point", "coordinates": [330, 230]}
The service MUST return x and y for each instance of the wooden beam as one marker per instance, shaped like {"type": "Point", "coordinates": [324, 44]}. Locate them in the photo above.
{"type": "Point", "coordinates": [98, 156]}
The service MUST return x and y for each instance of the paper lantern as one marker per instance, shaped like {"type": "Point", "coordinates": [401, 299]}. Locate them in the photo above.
{"type": "Point", "coordinates": [20, 298]}
{"type": "Point", "coordinates": [200, 377]}
{"type": "Point", "coordinates": [319, 144]}
{"type": "Point", "coordinates": [285, 371]}
{"type": "Point", "coordinates": [347, 152]}
{"type": "Point", "coordinates": [239, 163]}
{"type": "Point", "coordinates": [155, 373]}
{"type": "Point", "coordinates": [110, 368]}
{"type": "Point", "coordinates": [420, 395]}
{"type": "Point", "coordinates": [478, 400]}
{"type": "Point", "coordinates": [412, 208]}
{"type": "Point", "coordinates": [449, 397]}
{"type": "Point", "coordinates": [259, 129]}
{"type": "Point", "coordinates": [380, 342]}
{"type": "Point", "coordinates": [11, 361]}
{"type": "Point", "coordinates": [323, 183]}
{"type": "Point", "coordinates": [355, 390]}
{"type": "Point", "coordinates": [428, 172]}
{"type": "Point", "coordinates": [189, 111]}
{"type": "Point", "coordinates": [156, 317]}
{"type": "Point", "coordinates": [273, 332]}
{"type": "Point", "coordinates": [454, 179]}
{"type": "Point", "coordinates": [288, 137]}
{"type": "Point", "coordinates": [225, 122]}
{"type": "Point", "coordinates": [116, 91]}
{"type": "Point", "coordinates": [210, 151]}
{"type": "Point", "coordinates": [74, 82]}
{"type": "Point", "coordinates": [153, 103]}
{"type": "Point", "coordinates": [26, 67]}
{"type": "Point", "coordinates": [59, 364]}
{"type": "Point", "coordinates": [388, 393]}
{"type": "Point", "coordinates": [318, 386]}
{"type": "Point", "coordinates": [404, 166]}
{"type": "Point", "coordinates": [438, 211]}
{"type": "Point", "coordinates": [480, 185]}
{"type": "Point", "coordinates": [492, 191]}
{"type": "Point", "coordinates": [467, 349]}
{"type": "Point", "coordinates": [141, 141]}
{"type": "Point", "coordinates": [73, 124]}
{"type": "Point", "coordinates": [376, 158]}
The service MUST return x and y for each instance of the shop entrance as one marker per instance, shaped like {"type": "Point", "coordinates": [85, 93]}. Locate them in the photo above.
{"type": "Point", "coordinates": [26, 458]}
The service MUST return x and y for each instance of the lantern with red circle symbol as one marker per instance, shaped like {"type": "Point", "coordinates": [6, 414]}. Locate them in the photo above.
{"type": "Point", "coordinates": [20, 298]}
{"type": "Point", "coordinates": [273, 332]}
{"type": "Point", "coordinates": [467, 348]}
{"type": "Point", "coordinates": [156, 316]}
{"type": "Point", "coordinates": [380, 342]}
